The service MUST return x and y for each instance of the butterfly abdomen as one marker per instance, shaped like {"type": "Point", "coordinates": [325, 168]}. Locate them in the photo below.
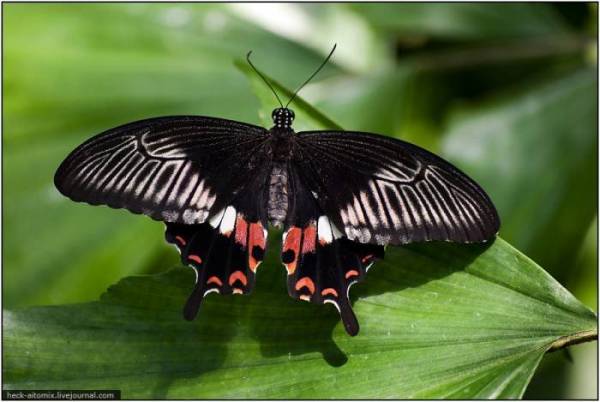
{"type": "Point", "coordinates": [278, 194]}
{"type": "Point", "coordinates": [281, 151]}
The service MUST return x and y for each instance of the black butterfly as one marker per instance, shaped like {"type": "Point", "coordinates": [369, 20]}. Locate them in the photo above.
{"type": "Point", "coordinates": [341, 197]}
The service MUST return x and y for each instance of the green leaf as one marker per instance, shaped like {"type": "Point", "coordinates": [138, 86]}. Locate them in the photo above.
{"type": "Point", "coordinates": [437, 321]}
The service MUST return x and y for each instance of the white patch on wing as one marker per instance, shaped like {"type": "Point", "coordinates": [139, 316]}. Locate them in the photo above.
{"type": "Point", "coordinates": [324, 230]}
{"type": "Point", "coordinates": [192, 216]}
{"type": "Point", "coordinates": [228, 222]}
{"type": "Point", "coordinates": [364, 235]}
{"type": "Point", "coordinates": [382, 239]}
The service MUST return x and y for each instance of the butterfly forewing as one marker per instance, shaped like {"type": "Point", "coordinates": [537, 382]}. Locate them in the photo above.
{"type": "Point", "coordinates": [176, 169]}
{"type": "Point", "coordinates": [386, 191]}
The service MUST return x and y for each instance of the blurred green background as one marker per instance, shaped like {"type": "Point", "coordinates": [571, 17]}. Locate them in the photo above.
{"type": "Point", "coordinates": [508, 92]}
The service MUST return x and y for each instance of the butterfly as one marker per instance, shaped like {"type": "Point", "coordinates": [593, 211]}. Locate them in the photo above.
{"type": "Point", "coordinates": [217, 184]}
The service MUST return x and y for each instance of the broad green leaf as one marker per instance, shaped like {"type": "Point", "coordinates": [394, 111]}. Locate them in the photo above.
{"type": "Point", "coordinates": [535, 152]}
{"type": "Point", "coordinates": [437, 321]}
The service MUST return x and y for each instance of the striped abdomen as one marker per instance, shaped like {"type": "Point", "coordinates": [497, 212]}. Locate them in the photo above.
{"type": "Point", "coordinates": [278, 194]}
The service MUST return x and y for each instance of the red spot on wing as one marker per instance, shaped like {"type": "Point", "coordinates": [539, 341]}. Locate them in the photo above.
{"type": "Point", "coordinates": [351, 273]}
{"type": "Point", "coordinates": [215, 280]}
{"type": "Point", "coordinates": [367, 258]}
{"type": "Point", "coordinates": [241, 231]}
{"type": "Point", "coordinates": [195, 258]}
{"type": "Point", "coordinates": [292, 242]}
{"type": "Point", "coordinates": [310, 236]}
{"type": "Point", "coordinates": [256, 238]}
{"type": "Point", "coordinates": [238, 275]}
{"type": "Point", "coordinates": [307, 283]}
{"type": "Point", "coordinates": [180, 240]}
{"type": "Point", "coordinates": [329, 291]}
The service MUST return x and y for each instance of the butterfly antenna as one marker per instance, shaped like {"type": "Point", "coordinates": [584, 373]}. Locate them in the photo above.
{"type": "Point", "coordinates": [312, 76]}
{"type": "Point", "coordinates": [263, 77]}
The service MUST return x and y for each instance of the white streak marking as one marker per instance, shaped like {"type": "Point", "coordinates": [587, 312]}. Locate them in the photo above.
{"type": "Point", "coordinates": [380, 210]}
{"type": "Point", "coordinates": [185, 194]}
{"type": "Point", "coordinates": [175, 193]}
{"type": "Point", "coordinates": [392, 211]}
{"type": "Point", "coordinates": [370, 214]}
{"type": "Point", "coordinates": [151, 190]}
{"type": "Point", "coordinates": [324, 230]}
{"type": "Point", "coordinates": [163, 191]}
{"type": "Point", "coordinates": [352, 215]}
{"type": "Point", "coordinates": [203, 198]}
{"type": "Point", "coordinates": [344, 217]}
{"type": "Point", "coordinates": [197, 193]}
{"type": "Point", "coordinates": [228, 222]}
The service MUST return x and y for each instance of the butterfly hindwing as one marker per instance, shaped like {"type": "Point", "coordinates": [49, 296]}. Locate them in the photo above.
{"type": "Point", "coordinates": [321, 263]}
{"type": "Point", "coordinates": [385, 191]}
{"type": "Point", "coordinates": [224, 253]}
{"type": "Point", "coordinates": [177, 169]}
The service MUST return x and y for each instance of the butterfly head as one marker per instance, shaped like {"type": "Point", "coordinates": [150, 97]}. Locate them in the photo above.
{"type": "Point", "coordinates": [283, 117]}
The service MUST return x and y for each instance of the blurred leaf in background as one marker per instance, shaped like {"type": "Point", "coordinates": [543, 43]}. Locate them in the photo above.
{"type": "Point", "coordinates": [508, 92]}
